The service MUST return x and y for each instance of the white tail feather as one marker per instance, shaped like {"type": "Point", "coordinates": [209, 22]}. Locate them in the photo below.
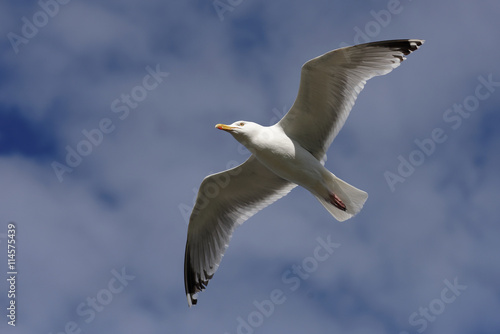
{"type": "Point", "coordinates": [352, 197]}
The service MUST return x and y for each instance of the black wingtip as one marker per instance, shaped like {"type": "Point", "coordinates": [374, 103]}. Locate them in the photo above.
{"type": "Point", "coordinates": [414, 44]}
{"type": "Point", "coordinates": [405, 46]}
{"type": "Point", "coordinates": [191, 298]}
{"type": "Point", "coordinates": [193, 282]}
{"type": "Point", "coordinates": [189, 279]}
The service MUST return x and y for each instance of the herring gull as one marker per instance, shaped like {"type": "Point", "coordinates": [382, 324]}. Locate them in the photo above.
{"type": "Point", "coordinates": [289, 153]}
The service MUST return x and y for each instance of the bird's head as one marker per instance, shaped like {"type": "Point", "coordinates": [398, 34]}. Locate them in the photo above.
{"type": "Point", "coordinates": [242, 131]}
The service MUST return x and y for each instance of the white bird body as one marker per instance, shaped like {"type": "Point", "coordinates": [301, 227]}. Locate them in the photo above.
{"type": "Point", "coordinates": [283, 155]}
{"type": "Point", "coordinates": [289, 153]}
{"type": "Point", "coordinates": [286, 158]}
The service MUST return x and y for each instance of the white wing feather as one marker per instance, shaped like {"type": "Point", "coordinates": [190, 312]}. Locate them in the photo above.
{"type": "Point", "coordinates": [224, 201]}
{"type": "Point", "coordinates": [329, 86]}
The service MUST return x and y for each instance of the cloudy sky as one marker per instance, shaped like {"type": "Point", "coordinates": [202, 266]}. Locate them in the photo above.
{"type": "Point", "coordinates": [107, 114]}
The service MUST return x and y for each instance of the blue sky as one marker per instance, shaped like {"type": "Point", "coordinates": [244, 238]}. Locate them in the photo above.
{"type": "Point", "coordinates": [107, 114]}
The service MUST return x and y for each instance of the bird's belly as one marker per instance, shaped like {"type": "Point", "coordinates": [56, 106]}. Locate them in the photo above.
{"type": "Point", "coordinates": [296, 165]}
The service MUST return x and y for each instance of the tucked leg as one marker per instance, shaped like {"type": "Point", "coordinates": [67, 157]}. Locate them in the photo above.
{"type": "Point", "coordinates": [337, 202]}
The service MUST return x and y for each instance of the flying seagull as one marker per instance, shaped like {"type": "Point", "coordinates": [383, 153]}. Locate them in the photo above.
{"type": "Point", "coordinates": [289, 153]}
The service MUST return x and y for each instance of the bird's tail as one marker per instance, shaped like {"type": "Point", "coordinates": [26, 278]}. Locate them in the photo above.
{"type": "Point", "coordinates": [351, 198]}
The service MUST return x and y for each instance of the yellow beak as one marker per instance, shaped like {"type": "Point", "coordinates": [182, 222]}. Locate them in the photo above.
{"type": "Point", "coordinates": [224, 127]}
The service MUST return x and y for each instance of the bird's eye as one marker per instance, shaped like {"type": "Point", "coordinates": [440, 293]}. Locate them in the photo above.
{"type": "Point", "coordinates": [241, 124]}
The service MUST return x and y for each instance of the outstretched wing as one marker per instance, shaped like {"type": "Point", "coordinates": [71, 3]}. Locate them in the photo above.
{"type": "Point", "coordinates": [224, 201]}
{"type": "Point", "coordinates": [329, 86]}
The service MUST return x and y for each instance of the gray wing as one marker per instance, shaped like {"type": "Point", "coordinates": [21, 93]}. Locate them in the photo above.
{"type": "Point", "coordinates": [224, 201]}
{"type": "Point", "coordinates": [329, 86]}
